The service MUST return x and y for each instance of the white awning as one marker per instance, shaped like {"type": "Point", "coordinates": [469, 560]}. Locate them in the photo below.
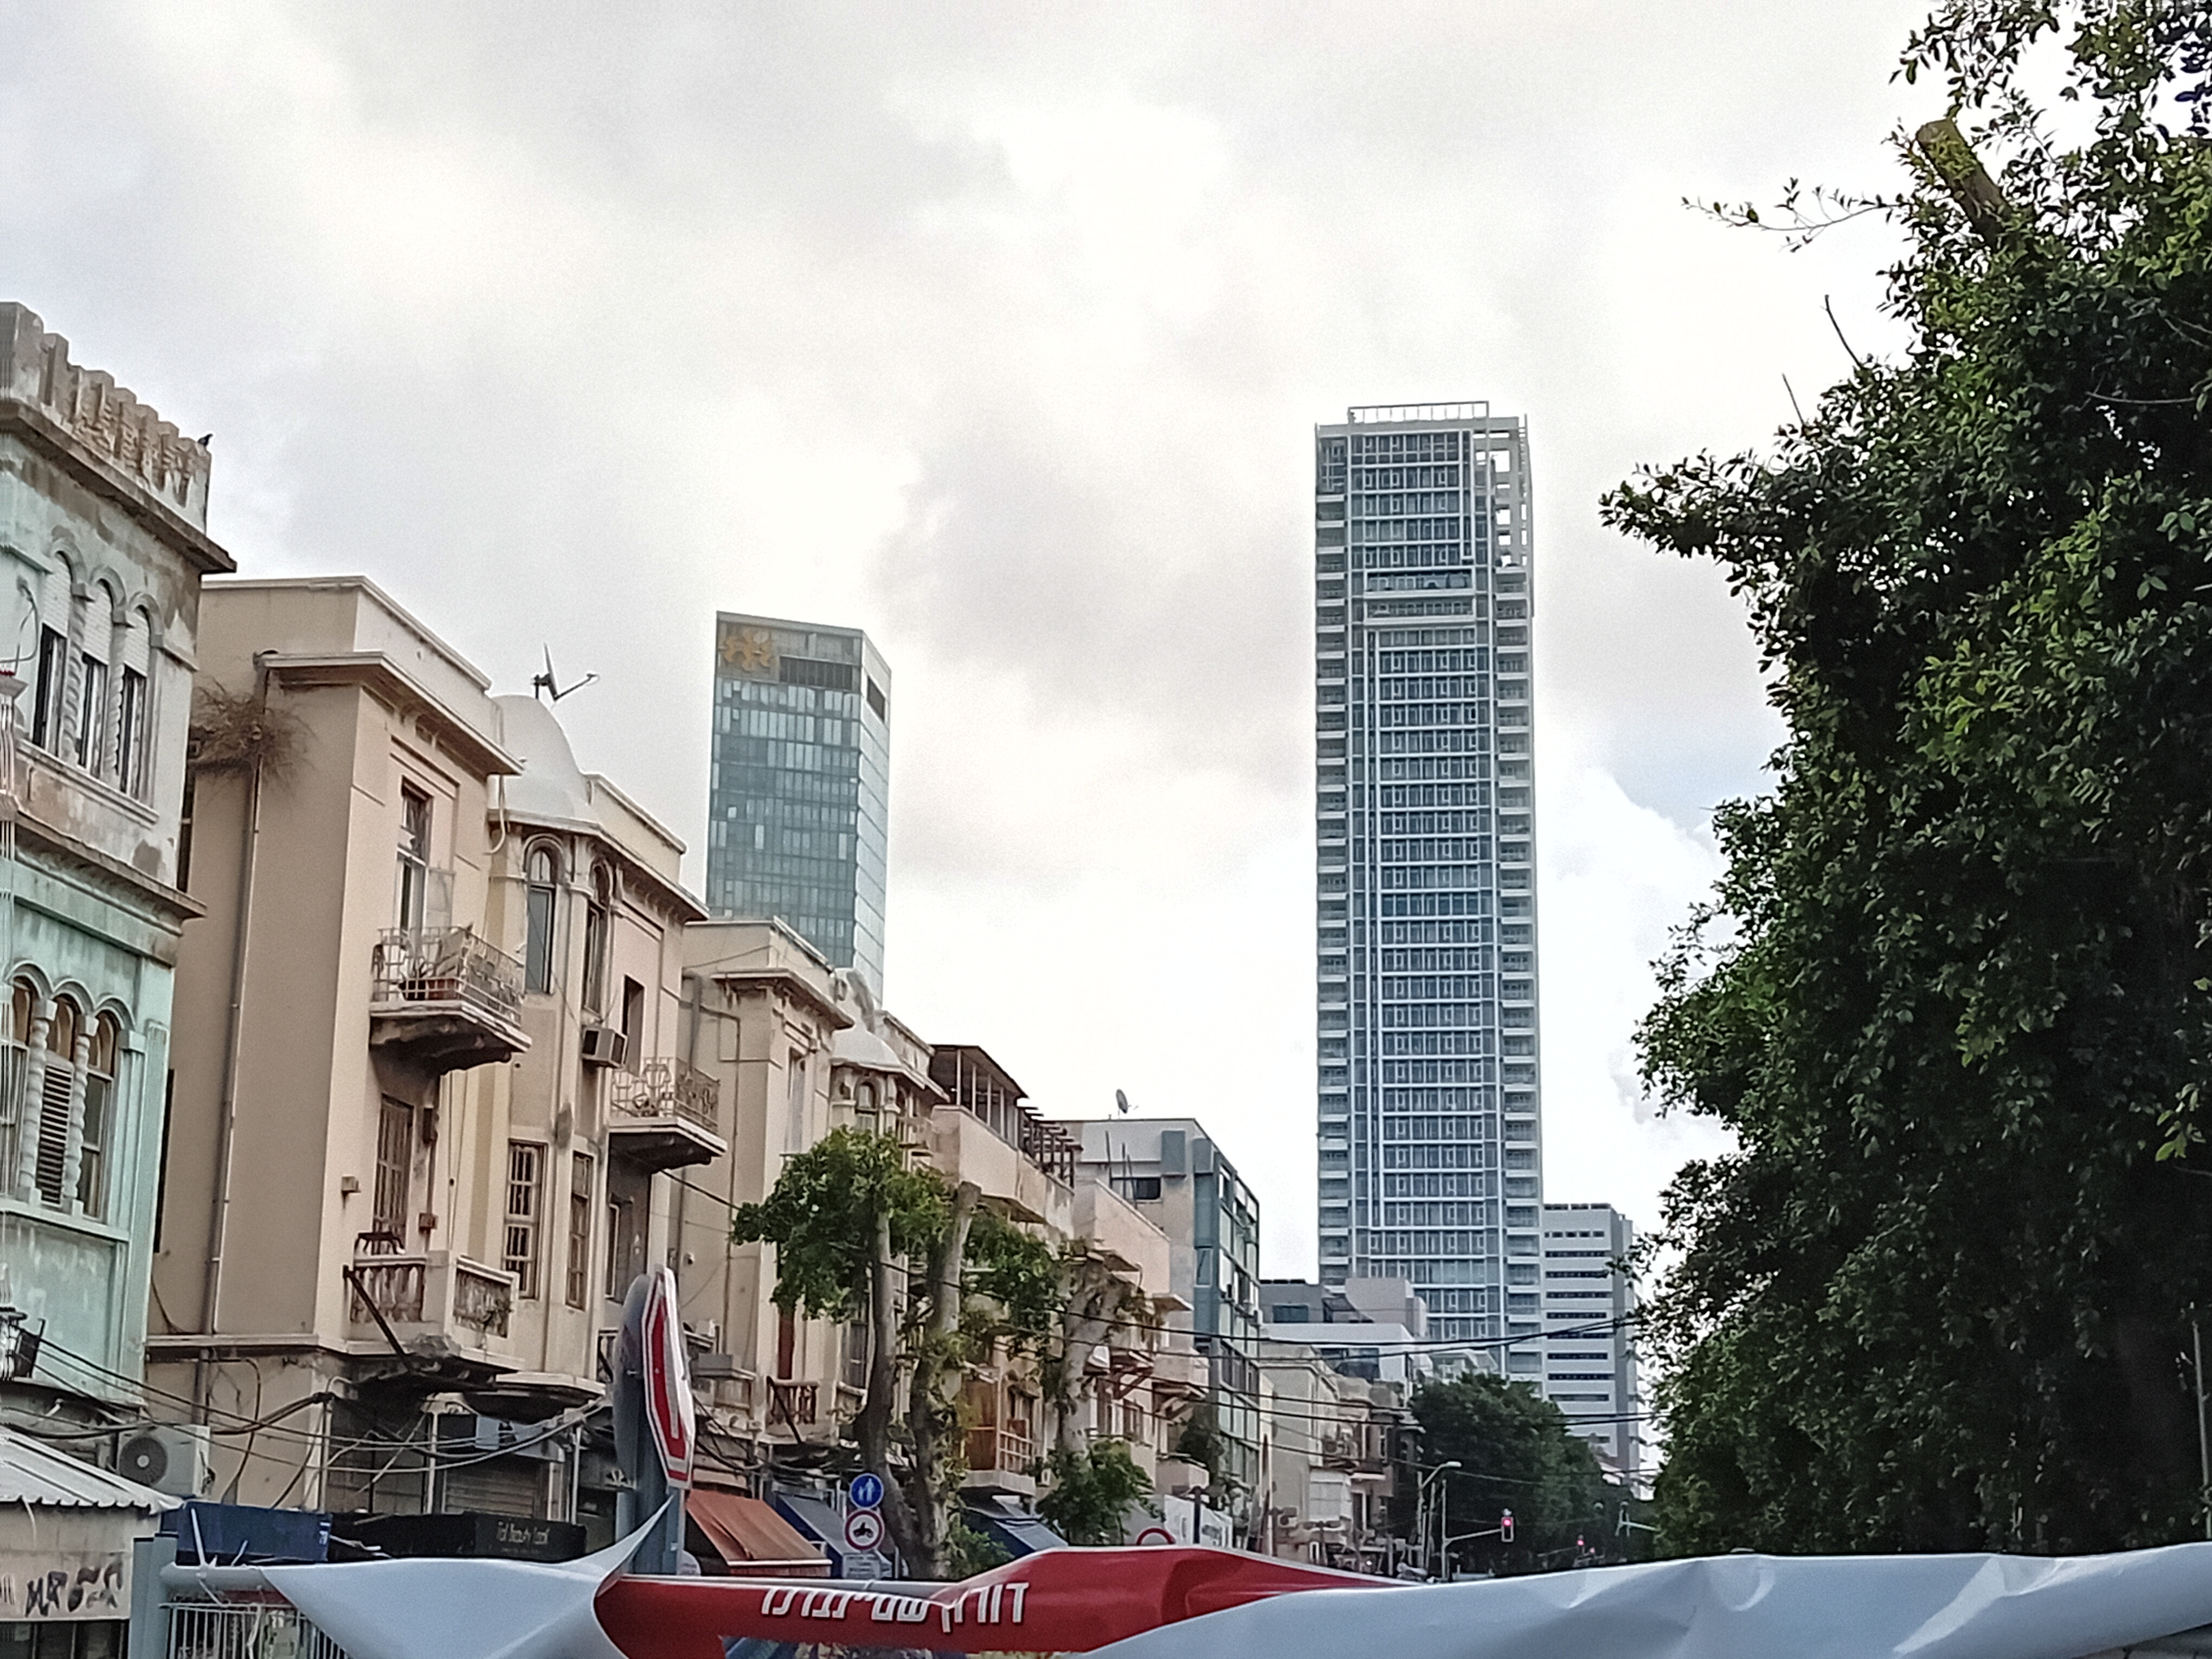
{"type": "Point", "coordinates": [39, 1475]}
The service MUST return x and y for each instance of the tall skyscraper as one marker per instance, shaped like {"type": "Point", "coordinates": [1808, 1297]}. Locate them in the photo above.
{"type": "Point", "coordinates": [798, 801]}
{"type": "Point", "coordinates": [1430, 1156]}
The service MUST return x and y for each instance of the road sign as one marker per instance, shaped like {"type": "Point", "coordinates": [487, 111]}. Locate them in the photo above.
{"type": "Point", "coordinates": [668, 1410]}
{"type": "Point", "coordinates": [1156, 1536]}
{"type": "Point", "coordinates": [866, 1490]}
{"type": "Point", "coordinates": [863, 1529]}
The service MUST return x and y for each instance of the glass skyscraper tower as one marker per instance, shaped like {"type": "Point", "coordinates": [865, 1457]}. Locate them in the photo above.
{"type": "Point", "coordinates": [798, 800]}
{"type": "Point", "coordinates": [1429, 1149]}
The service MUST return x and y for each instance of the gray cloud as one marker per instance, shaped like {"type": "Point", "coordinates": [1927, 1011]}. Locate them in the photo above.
{"type": "Point", "coordinates": [999, 331]}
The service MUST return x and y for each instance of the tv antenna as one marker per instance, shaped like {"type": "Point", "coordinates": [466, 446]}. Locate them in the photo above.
{"type": "Point", "coordinates": [1120, 1102]}
{"type": "Point", "coordinates": [547, 684]}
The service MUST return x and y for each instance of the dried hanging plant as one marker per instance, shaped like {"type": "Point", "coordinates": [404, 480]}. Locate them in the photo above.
{"type": "Point", "coordinates": [237, 733]}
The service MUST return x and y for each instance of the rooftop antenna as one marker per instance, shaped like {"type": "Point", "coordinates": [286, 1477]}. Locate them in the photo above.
{"type": "Point", "coordinates": [547, 684]}
{"type": "Point", "coordinates": [1120, 1102]}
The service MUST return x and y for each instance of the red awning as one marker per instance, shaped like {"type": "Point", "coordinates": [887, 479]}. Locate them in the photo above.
{"type": "Point", "coordinates": [751, 1537]}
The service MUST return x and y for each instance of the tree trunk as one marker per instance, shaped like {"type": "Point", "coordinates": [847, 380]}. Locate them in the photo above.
{"type": "Point", "coordinates": [873, 1428]}
{"type": "Point", "coordinates": [933, 1418]}
{"type": "Point", "coordinates": [1093, 1300]}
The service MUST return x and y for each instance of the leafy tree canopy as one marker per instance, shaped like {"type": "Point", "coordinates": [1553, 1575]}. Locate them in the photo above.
{"type": "Point", "coordinates": [821, 1217]}
{"type": "Point", "coordinates": [1515, 1452]}
{"type": "Point", "coordinates": [1953, 995]}
{"type": "Point", "coordinates": [1093, 1489]}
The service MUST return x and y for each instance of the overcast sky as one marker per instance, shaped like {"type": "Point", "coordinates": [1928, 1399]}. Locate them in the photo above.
{"type": "Point", "coordinates": [998, 331]}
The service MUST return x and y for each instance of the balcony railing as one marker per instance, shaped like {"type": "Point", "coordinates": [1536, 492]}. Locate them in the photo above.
{"type": "Point", "coordinates": [794, 1403]}
{"type": "Point", "coordinates": [445, 998]}
{"type": "Point", "coordinates": [446, 964]}
{"type": "Point", "coordinates": [1001, 1448]}
{"type": "Point", "coordinates": [661, 1116]}
{"type": "Point", "coordinates": [435, 1289]}
{"type": "Point", "coordinates": [666, 1088]}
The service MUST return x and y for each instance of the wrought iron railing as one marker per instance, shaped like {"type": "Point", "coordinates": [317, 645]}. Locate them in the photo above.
{"type": "Point", "coordinates": [210, 1630]}
{"type": "Point", "coordinates": [446, 964]}
{"type": "Point", "coordinates": [666, 1088]}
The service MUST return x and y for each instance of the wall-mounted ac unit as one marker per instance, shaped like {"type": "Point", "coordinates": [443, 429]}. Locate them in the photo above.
{"type": "Point", "coordinates": [170, 1458]}
{"type": "Point", "coordinates": [603, 1046]}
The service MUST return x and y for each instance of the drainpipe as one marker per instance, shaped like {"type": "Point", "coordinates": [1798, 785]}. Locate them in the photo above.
{"type": "Point", "coordinates": [241, 935]}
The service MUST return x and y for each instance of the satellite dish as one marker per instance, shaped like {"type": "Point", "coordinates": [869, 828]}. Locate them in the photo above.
{"type": "Point", "coordinates": [546, 681]}
{"type": "Point", "coordinates": [1120, 1102]}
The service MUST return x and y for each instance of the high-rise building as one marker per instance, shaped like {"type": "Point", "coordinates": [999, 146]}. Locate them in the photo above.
{"type": "Point", "coordinates": [1430, 1152]}
{"type": "Point", "coordinates": [798, 801]}
{"type": "Point", "coordinates": [1589, 1354]}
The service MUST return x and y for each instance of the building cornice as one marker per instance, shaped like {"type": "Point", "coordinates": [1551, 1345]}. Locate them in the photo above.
{"type": "Point", "coordinates": [169, 904]}
{"type": "Point", "coordinates": [374, 672]}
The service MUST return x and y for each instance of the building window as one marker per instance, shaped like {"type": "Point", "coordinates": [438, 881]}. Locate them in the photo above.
{"type": "Point", "coordinates": [52, 689]}
{"type": "Point", "coordinates": [633, 1024]}
{"type": "Point", "coordinates": [56, 1084]}
{"type": "Point", "coordinates": [96, 1130]}
{"type": "Point", "coordinates": [542, 874]}
{"type": "Point", "coordinates": [130, 739]}
{"type": "Point", "coordinates": [794, 1130]}
{"type": "Point", "coordinates": [525, 1209]}
{"type": "Point", "coordinates": [580, 1230]}
{"type": "Point", "coordinates": [595, 939]}
{"type": "Point", "coordinates": [92, 713]}
{"type": "Point", "coordinates": [395, 1150]}
{"type": "Point", "coordinates": [414, 855]}
{"type": "Point", "coordinates": [622, 1245]}
{"type": "Point", "coordinates": [14, 1061]}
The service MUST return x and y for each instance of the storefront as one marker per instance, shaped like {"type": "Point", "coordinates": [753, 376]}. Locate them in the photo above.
{"type": "Point", "coordinates": [66, 1533]}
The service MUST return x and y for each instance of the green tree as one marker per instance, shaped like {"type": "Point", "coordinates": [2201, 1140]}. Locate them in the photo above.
{"type": "Point", "coordinates": [1954, 994]}
{"type": "Point", "coordinates": [850, 1219]}
{"type": "Point", "coordinates": [1093, 1489]}
{"type": "Point", "coordinates": [1516, 1451]}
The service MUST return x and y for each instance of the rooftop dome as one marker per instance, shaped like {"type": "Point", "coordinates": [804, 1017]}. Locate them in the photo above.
{"type": "Point", "coordinates": [551, 789]}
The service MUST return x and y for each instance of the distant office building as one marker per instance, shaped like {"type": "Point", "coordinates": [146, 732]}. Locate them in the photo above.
{"type": "Point", "coordinates": [1171, 1169]}
{"type": "Point", "coordinates": [798, 801]}
{"type": "Point", "coordinates": [1429, 1149]}
{"type": "Point", "coordinates": [1588, 1359]}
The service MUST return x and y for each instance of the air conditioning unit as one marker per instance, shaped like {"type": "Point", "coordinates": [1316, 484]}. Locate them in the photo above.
{"type": "Point", "coordinates": [603, 1046]}
{"type": "Point", "coordinates": [170, 1458]}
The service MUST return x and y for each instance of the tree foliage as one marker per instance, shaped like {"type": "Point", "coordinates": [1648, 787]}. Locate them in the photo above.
{"type": "Point", "coordinates": [1953, 995]}
{"type": "Point", "coordinates": [1516, 1451]}
{"type": "Point", "coordinates": [1093, 1489]}
{"type": "Point", "coordinates": [940, 1283]}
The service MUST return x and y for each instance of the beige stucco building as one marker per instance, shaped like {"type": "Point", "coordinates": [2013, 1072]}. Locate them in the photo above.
{"type": "Point", "coordinates": [427, 1081]}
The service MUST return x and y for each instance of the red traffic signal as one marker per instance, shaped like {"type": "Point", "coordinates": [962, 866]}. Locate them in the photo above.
{"type": "Point", "coordinates": [1506, 1528]}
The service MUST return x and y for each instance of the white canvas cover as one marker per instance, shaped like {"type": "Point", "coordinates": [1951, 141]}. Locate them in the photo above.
{"type": "Point", "coordinates": [1735, 1607]}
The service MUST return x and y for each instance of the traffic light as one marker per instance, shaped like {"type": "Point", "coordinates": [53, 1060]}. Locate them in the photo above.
{"type": "Point", "coordinates": [1506, 1528]}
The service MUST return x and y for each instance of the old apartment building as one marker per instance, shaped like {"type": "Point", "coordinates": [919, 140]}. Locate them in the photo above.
{"type": "Point", "coordinates": [427, 1077]}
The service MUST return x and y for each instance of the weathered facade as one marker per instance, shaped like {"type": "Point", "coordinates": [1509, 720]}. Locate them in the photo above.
{"type": "Point", "coordinates": [426, 1079]}
{"type": "Point", "coordinates": [103, 545]}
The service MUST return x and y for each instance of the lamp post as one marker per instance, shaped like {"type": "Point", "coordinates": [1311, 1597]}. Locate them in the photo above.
{"type": "Point", "coordinates": [1420, 1511]}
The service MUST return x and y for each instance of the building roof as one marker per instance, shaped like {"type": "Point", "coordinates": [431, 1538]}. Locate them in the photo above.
{"type": "Point", "coordinates": [43, 1477]}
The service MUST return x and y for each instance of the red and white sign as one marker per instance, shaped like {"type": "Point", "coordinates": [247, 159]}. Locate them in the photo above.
{"type": "Point", "coordinates": [863, 1529]}
{"type": "Point", "coordinates": [668, 1410]}
{"type": "Point", "coordinates": [1156, 1536]}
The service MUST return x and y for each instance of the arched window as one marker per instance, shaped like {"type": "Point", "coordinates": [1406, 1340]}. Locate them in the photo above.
{"type": "Point", "coordinates": [50, 693]}
{"type": "Point", "coordinates": [56, 1085]}
{"type": "Point", "coordinates": [541, 872]}
{"type": "Point", "coordinates": [134, 708]}
{"type": "Point", "coordinates": [95, 647]}
{"type": "Point", "coordinates": [864, 1099]}
{"type": "Point", "coordinates": [98, 1127]}
{"type": "Point", "coordinates": [15, 1053]}
{"type": "Point", "coordinates": [595, 938]}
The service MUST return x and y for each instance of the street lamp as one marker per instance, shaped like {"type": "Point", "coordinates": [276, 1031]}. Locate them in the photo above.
{"type": "Point", "coordinates": [1443, 1503]}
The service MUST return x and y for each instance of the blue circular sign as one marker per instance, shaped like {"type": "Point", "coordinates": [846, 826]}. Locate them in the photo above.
{"type": "Point", "coordinates": [866, 1490]}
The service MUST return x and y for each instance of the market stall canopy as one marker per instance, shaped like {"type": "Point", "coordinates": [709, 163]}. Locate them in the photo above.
{"type": "Point", "coordinates": [46, 1479]}
{"type": "Point", "coordinates": [747, 1534]}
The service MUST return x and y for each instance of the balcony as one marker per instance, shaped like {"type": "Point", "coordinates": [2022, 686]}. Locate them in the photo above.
{"type": "Point", "coordinates": [447, 1314]}
{"type": "Point", "coordinates": [796, 1405]}
{"type": "Point", "coordinates": [662, 1116]}
{"type": "Point", "coordinates": [964, 1148]}
{"type": "Point", "coordinates": [1178, 1372]}
{"type": "Point", "coordinates": [1000, 1457]}
{"type": "Point", "coordinates": [445, 999]}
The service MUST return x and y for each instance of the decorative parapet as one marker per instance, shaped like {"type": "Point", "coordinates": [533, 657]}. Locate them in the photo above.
{"type": "Point", "coordinates": [124, 435]}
